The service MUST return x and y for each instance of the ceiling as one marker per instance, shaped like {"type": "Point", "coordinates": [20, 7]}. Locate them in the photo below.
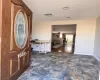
{"type": "Point", "coordinates": [79, 9]}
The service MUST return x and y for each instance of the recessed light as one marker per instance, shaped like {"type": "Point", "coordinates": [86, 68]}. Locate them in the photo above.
{"type": "Point", "coordinates": [48, 14]}
{"type": "Point", "coordinates": [66, 8]}
{"type": "Point", "coordinates": [68, 17]}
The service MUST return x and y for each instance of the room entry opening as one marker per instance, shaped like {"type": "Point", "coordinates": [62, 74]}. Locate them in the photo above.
{"type": "Point", "coordinates": [63, 38]}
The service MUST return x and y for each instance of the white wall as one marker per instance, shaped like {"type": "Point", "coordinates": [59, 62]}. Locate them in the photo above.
{"type": "Point", "coordinates": [97, 39]}
{"type": "Point", "coordinates": [85, 33]}
{"type": "Point", "coordinates": [64, 28]}
{"type": "Point", "coordinates": [41, 31]}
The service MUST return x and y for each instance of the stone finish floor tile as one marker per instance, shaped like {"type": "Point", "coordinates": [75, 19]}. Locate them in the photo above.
{"type": "Point", "coordinates": [62, 67]}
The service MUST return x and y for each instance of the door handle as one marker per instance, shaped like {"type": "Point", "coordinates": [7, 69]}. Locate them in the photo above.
{"type": "Point", "coordinates": [22, 54]}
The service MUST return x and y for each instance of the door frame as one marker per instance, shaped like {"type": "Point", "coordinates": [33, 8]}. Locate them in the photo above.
{"type": "Point", "coordinates": [74, 37]}
{"type": "Point", "coordinates": [66, 33]}
{"type": "Point", "coordinates": [5, 10]}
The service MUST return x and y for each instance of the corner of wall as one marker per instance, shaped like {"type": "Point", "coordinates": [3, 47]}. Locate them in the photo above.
{"type": "Point", "coordinates": [96, 40]}
{"type": "Point", "coordinates": [96, 58]}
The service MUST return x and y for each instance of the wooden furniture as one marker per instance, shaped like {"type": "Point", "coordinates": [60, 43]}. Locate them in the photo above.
{"type": "Point", "coordinates": [14, 55]}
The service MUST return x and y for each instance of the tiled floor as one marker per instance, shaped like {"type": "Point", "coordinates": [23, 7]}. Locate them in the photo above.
{"type": "Point", "coordinates": [62, 67]}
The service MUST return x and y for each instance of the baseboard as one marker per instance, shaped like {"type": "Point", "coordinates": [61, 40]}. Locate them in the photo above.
{"type": "Point", "coordinates": [97, 58]}
{"type": "Point", "coordinates": [89, 54]}
{"type": "Point", "coordinates": [83, 53]}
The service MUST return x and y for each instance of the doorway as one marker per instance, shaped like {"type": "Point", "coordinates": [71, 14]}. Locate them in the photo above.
{"type": "Point", "coordinates": [63, 38]}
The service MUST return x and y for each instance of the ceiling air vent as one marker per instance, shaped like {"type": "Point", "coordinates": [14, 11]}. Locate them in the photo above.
{"type": "Point", "coordinates": [66, 8]}
{"type": "Point", "coordinates": [48, 14]}
{"type": "Point", "coordinates": [68, 17]}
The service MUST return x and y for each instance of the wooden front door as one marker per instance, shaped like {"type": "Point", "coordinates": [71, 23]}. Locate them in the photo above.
{"type": "Point", "coordinates": [15, 29]}
{"type": "Point", "coordinates": [21, 18]}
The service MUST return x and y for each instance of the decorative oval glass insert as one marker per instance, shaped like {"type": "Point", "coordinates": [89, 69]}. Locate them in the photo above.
{"type": "Point", "coordinates": [21, 29]}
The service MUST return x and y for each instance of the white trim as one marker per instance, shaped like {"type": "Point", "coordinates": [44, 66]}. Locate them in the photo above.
{"type": "Point", "coordinates": [99, 75]}
{"type": "Point", "coordinates": [97, 58]}
{"type": "Point", "coordinates": [88, 54]}
{"type": "Point", "coordinates": [84, 54]}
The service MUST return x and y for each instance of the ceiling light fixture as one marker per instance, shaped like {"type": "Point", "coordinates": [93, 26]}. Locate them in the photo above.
{"type": "Point", "coordinates": [66, 8]}
{"type": "Point", "coordinates": [68, 17]}
{"type": "Point", "coordinates": [48, 14]}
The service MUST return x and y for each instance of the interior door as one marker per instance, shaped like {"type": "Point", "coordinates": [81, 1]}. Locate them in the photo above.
{"type": "Point", "coordinates": [21, 22]}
